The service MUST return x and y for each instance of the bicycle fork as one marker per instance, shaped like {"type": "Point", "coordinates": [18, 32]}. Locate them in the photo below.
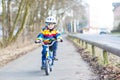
{"type": "Point", "coordinates": [48, 62]}
{"type": "Point", "coordinates": [49, 57]}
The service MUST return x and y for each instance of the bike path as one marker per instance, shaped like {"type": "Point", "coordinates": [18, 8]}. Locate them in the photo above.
{"type": "Point", "coordinates": [70, 66]}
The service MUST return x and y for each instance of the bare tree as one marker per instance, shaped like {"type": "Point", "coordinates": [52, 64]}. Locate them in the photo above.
{"type": "Point", "coordinates": [22, 18]}
{"type": "Point", "coordinates": [3, 23]}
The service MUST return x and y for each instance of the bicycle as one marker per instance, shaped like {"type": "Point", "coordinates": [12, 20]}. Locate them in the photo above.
{"type": "Point", "coordinates": [49, 60]}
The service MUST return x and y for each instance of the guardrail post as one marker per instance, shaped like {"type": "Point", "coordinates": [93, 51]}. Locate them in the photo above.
{"type": "Point", "coordinates": [86, 46]}
{"type": "Point", "coordinates": [93, 50]}
{"type": "Point", "coordinates": [105, 57]}
{"type": "Point", "coordinates": [78, 41]}
{"type": "Point", "coordinates": [82, 43]}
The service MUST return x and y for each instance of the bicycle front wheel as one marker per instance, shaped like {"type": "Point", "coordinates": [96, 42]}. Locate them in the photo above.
{"type": "Point", "coordinates": [47, 69]}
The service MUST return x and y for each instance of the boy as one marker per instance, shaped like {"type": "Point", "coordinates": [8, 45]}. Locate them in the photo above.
{"type": "Point", "coordinates": [46, 35]}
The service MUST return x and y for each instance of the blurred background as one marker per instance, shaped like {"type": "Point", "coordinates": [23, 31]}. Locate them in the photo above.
{"type": "Point", "coordinates": [21, 20]}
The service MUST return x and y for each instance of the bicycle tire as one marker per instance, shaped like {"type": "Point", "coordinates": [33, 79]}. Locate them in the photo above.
{"type": "Point", "coordinates": [47, 69]}
{"type": "Point", "coordinates": [50, 69]}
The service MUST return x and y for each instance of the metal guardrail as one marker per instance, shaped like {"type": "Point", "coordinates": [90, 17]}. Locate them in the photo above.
{"type": "Point", "coordinates": [105, 48]}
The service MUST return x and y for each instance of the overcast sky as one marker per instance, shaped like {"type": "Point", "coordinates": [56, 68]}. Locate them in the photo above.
{"type": "Point", "coordinates": [101, 14]}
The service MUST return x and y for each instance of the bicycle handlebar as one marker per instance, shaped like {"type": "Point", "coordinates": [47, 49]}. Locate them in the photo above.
{"type": "Point", "coordinates": [49, 44]}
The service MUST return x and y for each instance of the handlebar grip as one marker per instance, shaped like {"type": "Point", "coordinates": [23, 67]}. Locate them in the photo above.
{"type": "Point", "coordinates": [61, 40]}
{"type": "Point", "coordinates": [37, 41]}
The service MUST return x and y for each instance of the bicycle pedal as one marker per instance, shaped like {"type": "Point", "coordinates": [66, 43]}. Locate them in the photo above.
{"type": "Point", "coordinates": [55, 59]}
{"type": "Point", "coordinates": [42, 68]}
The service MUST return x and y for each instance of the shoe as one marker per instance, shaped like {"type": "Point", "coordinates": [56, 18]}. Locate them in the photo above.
{"type": "Point", "coordinates": [42, 67]}
{"type": "Point", "coordinates": [56, 59]}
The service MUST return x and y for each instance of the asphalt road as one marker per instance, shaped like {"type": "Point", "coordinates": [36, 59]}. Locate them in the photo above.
{"type": "Point", "coordinates": [70, 66]}
{"type": "Point", "coordinates": [106, 39]}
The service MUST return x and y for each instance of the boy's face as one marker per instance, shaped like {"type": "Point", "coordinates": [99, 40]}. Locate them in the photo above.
{"type": "Point", "coordinates": [51, 26]}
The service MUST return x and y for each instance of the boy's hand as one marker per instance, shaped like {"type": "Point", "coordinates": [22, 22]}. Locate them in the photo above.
{"type": "Point", "coordinates": [38, 41]}
{"type": "Point", "coordinates": [59, 40]}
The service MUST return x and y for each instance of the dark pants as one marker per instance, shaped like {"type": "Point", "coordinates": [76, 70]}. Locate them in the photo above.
{"type": "Point", "coordinates": [52, 48]}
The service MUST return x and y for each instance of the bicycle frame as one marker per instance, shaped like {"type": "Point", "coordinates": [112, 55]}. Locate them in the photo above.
{"type": "Point", "coordinates": [49, 58]}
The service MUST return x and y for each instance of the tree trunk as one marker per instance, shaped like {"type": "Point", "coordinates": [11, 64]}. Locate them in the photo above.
{"type": "Point", "coordinates": [3, 23]}
{"type": "Point", "coordinates": [24, 21]}
{"type": "Point", "coordinates": [9, 19]}
{"type": "Point", "coordinates": [15, 22]}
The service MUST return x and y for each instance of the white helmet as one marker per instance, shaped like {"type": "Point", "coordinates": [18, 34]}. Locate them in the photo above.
{"type": "Point", "coordinates": [50, 19]}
